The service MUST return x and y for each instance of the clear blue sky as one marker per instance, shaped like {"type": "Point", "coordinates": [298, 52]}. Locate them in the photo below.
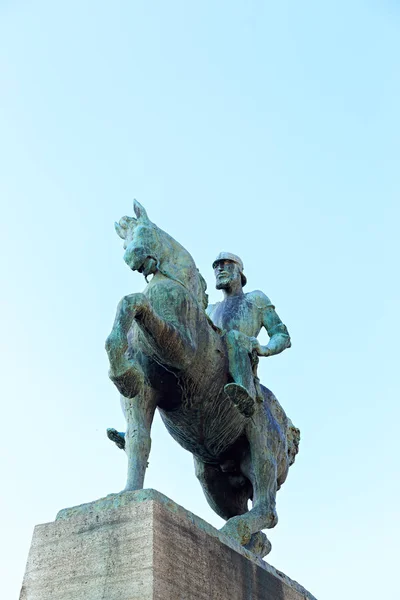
{"type": "Point", "coordinates": [269, 129]}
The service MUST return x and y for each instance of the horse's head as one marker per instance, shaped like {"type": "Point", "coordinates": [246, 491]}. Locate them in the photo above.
{"type": "Point", "coordinates": [141, 241]}
{"type": "Point", "coordinates": [149, 249]}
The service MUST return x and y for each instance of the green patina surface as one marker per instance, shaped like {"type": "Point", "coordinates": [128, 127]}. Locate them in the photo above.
{"type": "Point", "coordinates": [197, 364]}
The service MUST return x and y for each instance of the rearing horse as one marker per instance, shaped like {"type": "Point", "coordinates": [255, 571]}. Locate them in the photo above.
{"type": "Point", "coordinates": [165, 353]}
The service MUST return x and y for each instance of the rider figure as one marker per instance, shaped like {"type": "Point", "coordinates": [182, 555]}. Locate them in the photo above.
{"type": "Point", "coordinates": [241, 316]}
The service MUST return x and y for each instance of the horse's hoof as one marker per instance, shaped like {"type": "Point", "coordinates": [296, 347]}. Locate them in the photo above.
{"type": "Point", "coordinates": [259, 544]}
{"type": "Point", "coordinates": [241, 398]}
{"type": "Point", "coordinates": [117, 437]}
{"type": "Point", "coordinates": [237, 529]}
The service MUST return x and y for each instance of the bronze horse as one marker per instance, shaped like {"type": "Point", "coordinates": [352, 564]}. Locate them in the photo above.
{"type": "Point", "coordinates": [165, 353]}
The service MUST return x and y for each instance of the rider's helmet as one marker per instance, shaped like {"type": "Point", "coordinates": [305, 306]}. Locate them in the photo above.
{"type": "Point", "coordinates": [233, 258]}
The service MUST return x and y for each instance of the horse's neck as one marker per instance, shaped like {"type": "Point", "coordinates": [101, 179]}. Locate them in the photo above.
{"type": "Point", "coordinates": [178, 264]}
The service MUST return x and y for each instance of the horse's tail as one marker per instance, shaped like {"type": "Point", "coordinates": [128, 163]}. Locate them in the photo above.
{"type": "Point", "coordinates": [291, 432]}
{"type": "Point", "coordinates": [293, 441]}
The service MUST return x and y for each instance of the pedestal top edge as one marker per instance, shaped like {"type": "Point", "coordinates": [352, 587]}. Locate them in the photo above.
{"type": "Point", "coordinates": [124, 499]}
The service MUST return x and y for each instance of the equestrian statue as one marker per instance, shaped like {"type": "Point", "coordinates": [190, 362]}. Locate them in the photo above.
{"type": "Point", "coordinates": [168, 349]}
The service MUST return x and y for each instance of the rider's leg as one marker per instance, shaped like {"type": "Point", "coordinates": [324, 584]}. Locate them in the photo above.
{"type": "Point", "coordinates": [242, 392]}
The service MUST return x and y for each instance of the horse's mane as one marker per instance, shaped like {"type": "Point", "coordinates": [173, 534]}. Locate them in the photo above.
{"type": "Point", "coordinates": [179, 265]}
{"type": "Point", "coordinates": [203, 290]}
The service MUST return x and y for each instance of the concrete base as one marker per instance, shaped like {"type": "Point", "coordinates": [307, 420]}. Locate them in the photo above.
{"type": "Point", "coordinates": [142, 546]}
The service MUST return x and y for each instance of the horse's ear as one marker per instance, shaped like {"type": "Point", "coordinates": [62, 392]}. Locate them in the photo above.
{"type": "Point", "coordinates": [124, 224]}
{"type": "Point", "coordinates": [140, 212]}
{"type": "Point", "coordinates": [121, 232]}
{"type": "Point", "coordinates": [127, 222]}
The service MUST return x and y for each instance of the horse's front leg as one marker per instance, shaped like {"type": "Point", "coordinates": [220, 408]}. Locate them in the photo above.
{"type": "Point", "coordinates": [173, 345]}
{"type": "Point", "coordinates": [139, 413]}
{"type": "Point", "coordinates": [124, 372]}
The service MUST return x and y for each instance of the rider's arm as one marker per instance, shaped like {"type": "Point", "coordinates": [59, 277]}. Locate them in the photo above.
{"type": "Point", "coordinates": [277, 331]}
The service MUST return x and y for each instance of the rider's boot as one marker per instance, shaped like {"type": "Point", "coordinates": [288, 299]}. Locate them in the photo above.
{"type": "Point", "coordinates": [241, 397]}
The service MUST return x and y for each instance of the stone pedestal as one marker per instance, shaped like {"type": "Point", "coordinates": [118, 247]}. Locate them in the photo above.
{"type": "Point", "coordinates": [142, 546]}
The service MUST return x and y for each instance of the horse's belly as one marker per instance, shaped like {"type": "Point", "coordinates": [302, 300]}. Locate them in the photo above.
{"type": "Point", "coordinates": [208, 434]}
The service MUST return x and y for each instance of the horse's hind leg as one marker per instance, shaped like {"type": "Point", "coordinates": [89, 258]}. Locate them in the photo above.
{"type": "Point", "coordinates": [260, 467]}
{"type": "Point", "coordinates": [139, 413]}
{"type": "Point", "coordinates": [227, 494]}
{"type": "Point", "coordinates": [263, 514]}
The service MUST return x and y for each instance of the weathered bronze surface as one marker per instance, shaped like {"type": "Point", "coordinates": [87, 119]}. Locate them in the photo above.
{"type": "Point", "coordinates": [197, 365]}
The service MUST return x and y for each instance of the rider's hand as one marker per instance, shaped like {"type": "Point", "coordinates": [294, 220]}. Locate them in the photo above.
{"type": "Point", "coordinates": [255, 345]}
{"type": "Point", "coordinates": [261, 350]}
